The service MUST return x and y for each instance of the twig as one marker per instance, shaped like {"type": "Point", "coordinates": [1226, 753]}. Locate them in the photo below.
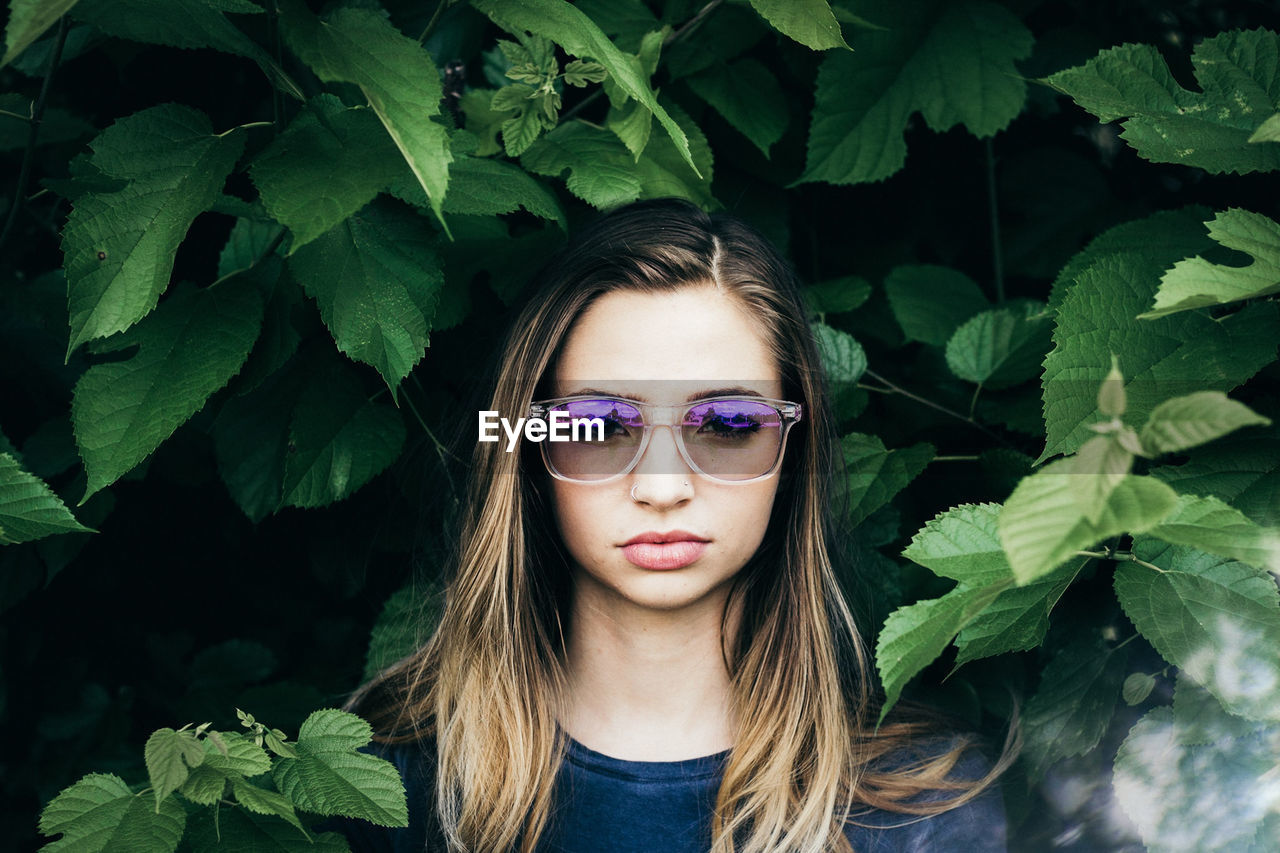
{"type": "Point", "coordinates": [894, 389]}
{"type": "Point", "coordinates": [37, 116]}
{"type": "Point", "coordinates": [692, 24]}
{"type": "Point", "coordinates": [997, 253]}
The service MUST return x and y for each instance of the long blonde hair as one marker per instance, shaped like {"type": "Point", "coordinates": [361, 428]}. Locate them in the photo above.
{"type": "Point", "coordinates": [486, 686]}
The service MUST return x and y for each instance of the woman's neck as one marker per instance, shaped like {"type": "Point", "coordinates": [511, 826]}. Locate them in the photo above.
{"type": "Point", "coordinates": [648, 685]}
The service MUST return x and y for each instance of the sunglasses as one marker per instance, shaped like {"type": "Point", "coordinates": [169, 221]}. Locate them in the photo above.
{"type": "Point", "coordinates": [726, 439]}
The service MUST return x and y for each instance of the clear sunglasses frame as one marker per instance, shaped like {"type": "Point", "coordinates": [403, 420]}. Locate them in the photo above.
{"type": "Point", "coordinates": [788, 413]}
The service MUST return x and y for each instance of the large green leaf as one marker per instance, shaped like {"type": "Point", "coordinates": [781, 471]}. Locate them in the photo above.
{"type": "Point", "coordinates": [377, 281]}
{"type": "Point", "coordinates": [873, 474]}
{"type": "Point", "coordinates": [479, 186]}
{"type": "Point", "coordinates": [748, 96]}
{"type": "Point", "coordinates": [99, 812]}
{"type": "Point", "coordinates": [28, 19]}
{"type": "Point", "coordinates": [663, 170]}
{"type": "Point", "coordinates": [601, 170]}
{"type": "Point", "coordinates": [1000, 347]}
{"type": "Point", "coordinates": [570, 28]}
{"type": "Point", "coordinates": [338, 438]}
{"type": "Point", "coordinates": [264, 802]}
{"type": "Point", "coordinates": [186, 24]}
{"type": "Point", "coordinates": [118, 247]}
{"type": "Point", "coordinates": [330, 777]}
{"type": "Point", "coordinates": [1016, 620]}
{"type": "Point", "coordinates": [241, 829]}
{"type": "Point", "coordinates": [1160, 359]}
{"type": "Point", "coordinates": [251, 443]}
{"type": "Point", "coordinates": [408, 617]}
{"type": "Point", "coordinates": [1043, 524]}
{"type": "Point", "coordinates": [953, 62]}
{"type": "Point", "coordinates": [842, 356]}
{"type": "Point", "coordinates": [330, 162]}
{"type": "Point", "coordinates": [1070, 712]}
{"type": "Point", "coordinates": [28, 507]}
{"type": "Point", "coordinates": [398, 77]}
{"type": "Point", "coordinates": [810, 22]}
{"type": "Point", "coordinates": [207, 781]}
{"type": "Point", "coordinates": [1242, 469]}
{"type": "Point", "coordinates": [1240, 88]}
{"type": "Point", "coordinates": [1185, 422]}
{"type": "Point", "coordinates": [1218, 620]}
{"type": "Point", "coordinates": [1210, 525]}
{"type": "Point", "coordinates": [930, 302]}
{"type": "Point", "coordinates": [190, 347]}
{"type": "Point", "coordinates": [169, 756]}
{"type": "Point", "coordinates": [1196, 283]}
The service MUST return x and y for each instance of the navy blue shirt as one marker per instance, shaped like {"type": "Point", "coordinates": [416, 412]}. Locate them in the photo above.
{"type": "Point", "coordinates": [610, 805]}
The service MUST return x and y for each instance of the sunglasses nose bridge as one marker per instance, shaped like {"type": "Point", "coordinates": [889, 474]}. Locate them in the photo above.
{"type": "Point", "coordinates": [662, 454]}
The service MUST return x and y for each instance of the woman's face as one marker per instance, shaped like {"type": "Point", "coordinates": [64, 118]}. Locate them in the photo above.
{"type": "Point", "coordinates": [664, 349]}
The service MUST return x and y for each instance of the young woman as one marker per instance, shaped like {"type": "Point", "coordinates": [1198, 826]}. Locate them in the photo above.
{"type": "Point", "coordinates": [643, 644]}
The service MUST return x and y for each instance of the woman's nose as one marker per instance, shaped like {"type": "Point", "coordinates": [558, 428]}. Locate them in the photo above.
{"type": "Point", "coordinates": [662, 477]}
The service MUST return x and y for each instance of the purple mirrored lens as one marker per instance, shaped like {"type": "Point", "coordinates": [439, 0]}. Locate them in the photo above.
{"type": "Point", "coordinates": [733, 439]}
{"type": "Point", "coordinates": [605, 436]}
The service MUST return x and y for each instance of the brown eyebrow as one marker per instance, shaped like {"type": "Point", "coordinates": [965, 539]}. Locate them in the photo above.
{"type": "Point", "coordinates": [734, 391]}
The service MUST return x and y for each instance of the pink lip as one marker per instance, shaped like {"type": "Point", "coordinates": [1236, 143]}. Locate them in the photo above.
{"type": "Point", "coordinates": [664, 551]}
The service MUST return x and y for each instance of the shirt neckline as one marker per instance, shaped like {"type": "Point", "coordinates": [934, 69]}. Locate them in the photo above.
{"type": "Point", "coordinates": [684, 769]}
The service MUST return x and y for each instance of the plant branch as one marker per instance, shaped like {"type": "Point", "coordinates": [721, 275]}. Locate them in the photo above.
{"type": "Point", "coordinates": [993, 211]}
{"type": "Point", "coordinates": [895, 389]}
{"type": "Point", "coordinates": [33, 134]}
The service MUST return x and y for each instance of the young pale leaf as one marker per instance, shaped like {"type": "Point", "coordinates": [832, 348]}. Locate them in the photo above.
{"type": "Point", "coordinates": [914, 636]}
{"type": "Point", "coordinates": [339, 439]}
{"type": "Point", "coordinates": [1185, 422]}
{"type": "Point", "coordinates": [1169, 124]}
{"type": "Point", "coordinates": [186, 24]}
{"type": "Point", "coordinates": [99, 812]}
{"type": "Point", "coordinates": [1111, 397]}
{"type": "Point", "coordinates": [873, 475]}
{"type": "Point", "coordinates": [1268, 131]}
{"type": "Point", "coordinates": [810, 22]}
{"type": "Point", "coordinates": [601, 171]}
{"type": "Point", "coordinates": [1042, 525]}
{"type": "Point", "coordinates": [330, 777]}
{"type": "Point", "coordinates": [842, 356]}
{"type": "Point", "coordinates": [999, 348]}
{"type": "Point", "coordinates": [1100, 465]}
{"type": "Point", "coordinates": [28, 19]}
{"type": "Point", "coordinates": [954, 62]}
{"type": "Point", "coordinates": [930, 302]}
{"type": "Point", "coordinates": [1137, 687]}
{"type": "Point", "coordinates": [360, 46]}
{"type": "Point", "coordinates": [377, 280]}
{"type": "Point", "coordinates": [1242, 469]}
{"type": "Point", "coordinates": [837, 295]}
{"type": "Point", "coordinates": [962, 544]}
{"type": "Point", "coordinates": [1217, 619]}
{"type": "Point", "coordinates": [330, 162]}
{"type": "Point", "coordinates": [1016, 621]}
{"type": "Point", "coordinates": [1186, 792]}
{"type": "Point", "coordinates": [1071, 710]}
{"type": "Point", "coordinates": [1196, 283]}
{"type": "Point", "coordinates": [170, 755]}
{"type": "Point", "coordinates": [28, 507]}
{"type": "Point", "coordinates": [1161, 359]}
{"type": "Point", "coordinates": [578, 35]}
{"type": "Point", "coordinates": [1210, 525]}
{"type": "Point", "coordinates": [189, 348]}
{"type": "Point", "coordinates": [580, 73]}
{"type": "Point", "coordinates": [264, 802]}
{"type": "Point", "coordinates": [118, 247]}
{"type": "Point", "coordinates": [748, 96]}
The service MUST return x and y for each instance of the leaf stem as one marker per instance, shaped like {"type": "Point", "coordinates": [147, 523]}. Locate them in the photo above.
{"type": "Point", "coordinates": [993, 211]}
{"type": "Point", "coordinates": [692, 24]}
{"type": "Point", "coordinates": [894, 389]}
{"type": "Point", "coordinates": [18, 116]}
{"type": "Point", "coordinates": [435, 19]}
{"type": "Point", "coordinates": [246, 126]}
{"type": "Point", "coordinates": [33, 134]}
{"type": "Point", "coordinates": [273, 35]}
{"type": "Point", "coordinates": [956, 458]}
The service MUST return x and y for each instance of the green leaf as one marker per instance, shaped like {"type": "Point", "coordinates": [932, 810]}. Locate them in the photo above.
{"type": "Point", "coordinates": [251, 443]}
{"type": "Point", "coordinates": [28, 507]}
{"type": "Point", "coordinates": [1137, 687]}
{"type": "Point", "coordinates": [170, 755]}
{"type": "Point", "coordinates": [1197, 283]}
{"type": "Point", "coordinates": [264, 802]}
{"type": "Point", "coordinates": [208, 780]}
{"type": "Point", "coordinates": [1016, 620]}
{"type": "Point", "coordinates": [632, 124]}
{"type": "Point", "coordinates": [408, 617]}
{"type": "Point", "coordinates": [1071, 711]}
{"type": "Point", "coordinates": [931, 302]}
{"type": "Point", "coordinates": [1217, 619]}
{"type": "Point", "coordinates": [329, 163]}
{"type": "Point", "coordinates": [873, 475]}
{"type": "Point", "coordinates": [330, 777]}
{"type": "Point", "coordinates": [579, 73]}
{"type": "Point", "coordinates": [236, 829]}
{"type": "Point", "coordinates": [1163, 358]}
{"type": "Point", "coordinates": [99, 812]}
{"type": "Point", "coordinates": [1242, 469]}
{"type": "Point", "coordinates": [570, 28]}
{"type": "Point", "coordinates": [118, 247]}
{"type": "Point", "coordinates": [842, 356]}
{"type": "Point", "coordinates": [1042, 525]}
{"type": "Point", "coordinates": [1268, 131]}
{"type": "Point", "coordinates": [1185, 422]}
{"type": "Point", "coordinates": [914, 636]}
{"type": "Point", "coordinates": [601, 171]}
{"type": "Point", "coordinates": [663, 171]}
{"type": "Point", "coordinates": [28, 19]}
{"type": "Point", "coordinates": [1185, 795]}
{"type": "Point", "coordinates": [339, 439]}
{"type": "Point", "coordinates": [1097, 469]}
{"type": "Point", "coordinates": [748, 96]}
{"type": "Point", "coordinates": [1168, 124]}
{"type": "Point", "coordinates": [185, 24]}
{"type": "Point", "coordinates": [962, 544]}
{"type": "Point", "coordinates": [809, 22]}
{"type": "Point", "coordinates": [481, 187]}
{"type": "Point", "coordinates": [189, 348]}
{"type": "Point", "coordinates": [396, 75]}
{"type": "Point", "coordinates": [953, 62]}
{"type": "Point", "coordinates": [1210, 525]}
{"type": "Point", "coordinates": [999, 348]}
{"type": "Point", "coordinates": [377, 280]}
{"type": "Point", "coordinates": [837, 295]}
{"type": "Point", "coordinates": [482, 120]}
